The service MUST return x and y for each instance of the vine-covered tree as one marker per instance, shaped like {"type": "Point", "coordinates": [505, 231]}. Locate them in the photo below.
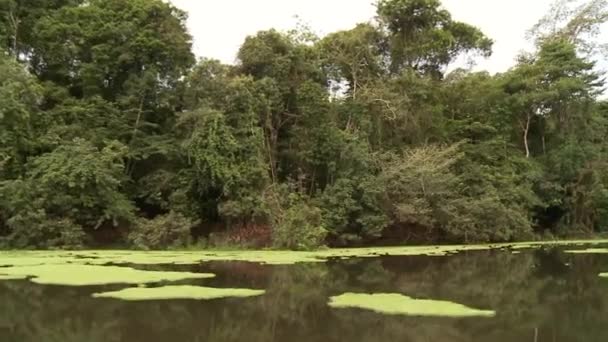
{"type": "Point", "coordinates": [112, 132]}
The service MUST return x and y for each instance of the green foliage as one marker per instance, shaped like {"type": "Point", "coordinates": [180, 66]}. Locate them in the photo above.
{"type": "Point", "coordinates": [226, 161]}
{"type": "Point", "coordinates": [93, 119]}
{"type": "Point", "coordinates": [346, 139]}
{"type": "Point", "coordinates": [77, 184]}
{"type": "Point", "coordinates": [116, 44]}
{"type": "Point", "coordinates": [352, 209]}
{"type": "Point", "coordinates": [18, 19]}
{"type": "Point", "coordinates": [424, 36]}
{"type": "Point", "coordinates": [419, 183]}
{"type": "Point", "coordinates": [33, 229]}
{"type": "Point", "coordinates": [299, 229]}
{"type": "Point", "coordinates": [296, 223]}
{"type": "Point", "coordinates": [354, 56]}
{"type": "Point", "coordinates": [426, 191]}
{"type": "Point", "coordinates": [172, 230]}
{"type": "Point", "coordinates": [19, 116]}
{"type": "Point", "coordinates": [83, 180]}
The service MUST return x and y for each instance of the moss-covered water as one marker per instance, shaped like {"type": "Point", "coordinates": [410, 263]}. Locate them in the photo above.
{"type": "Point", "coordinates": [543, 292]}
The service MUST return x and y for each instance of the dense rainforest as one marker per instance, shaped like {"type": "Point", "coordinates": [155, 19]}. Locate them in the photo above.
{"type": "Point", "coordinates": [112, 133]}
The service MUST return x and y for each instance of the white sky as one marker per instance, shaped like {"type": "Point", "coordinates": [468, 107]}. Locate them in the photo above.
{"type": "Point", "coordinates": [220, 26]}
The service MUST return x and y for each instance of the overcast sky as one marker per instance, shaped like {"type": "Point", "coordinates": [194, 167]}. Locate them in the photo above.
{"type": "Point", "coordinates": [219, 27]}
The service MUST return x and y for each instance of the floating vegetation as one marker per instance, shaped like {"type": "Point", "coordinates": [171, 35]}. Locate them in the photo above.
{"type": "Point", "coordinates": [12, 277]}
{"type": "Point", "coordinates": [83, 275]}
{"type": "Point", "coordinates": [589, 251]}
{"type": "Point", "coordinates": [525, 246]}
{"type": "Point", "coordinates": [177, 292]}
{"type": "Point", "coordinates": [397, 304]}
{"type": "Point", "coordinates": [268, 257]}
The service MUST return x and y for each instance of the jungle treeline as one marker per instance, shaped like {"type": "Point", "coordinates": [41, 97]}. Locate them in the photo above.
{"type": "Point", "coordinates": [112, 133]}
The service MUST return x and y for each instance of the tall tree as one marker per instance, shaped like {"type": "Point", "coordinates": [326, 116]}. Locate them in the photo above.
{"type": "Point", "coordinates": [18, 19]}
{"type": "Point", "coordinates": [578, 22]}
{"type": "Point", "coordinates": [131, 53]}
{"type": "Point", "coordinates": [354, 56]}
{"type": "Point", "coordinates": [20, 116]}
{"type": "Point", "coordinates": [553, 89]}
{"type": "Point", "coordinates": [423, 35]}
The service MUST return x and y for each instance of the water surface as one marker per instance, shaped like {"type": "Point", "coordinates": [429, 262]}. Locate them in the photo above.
{"type": "Point", "coordinates": [538, 295]}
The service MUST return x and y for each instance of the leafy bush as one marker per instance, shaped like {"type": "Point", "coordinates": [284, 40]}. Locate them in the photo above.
{"type": "Point", "coordinates": [352, 209]}
{"type": "Point", "coordinates": [167, 231]}
{"type": "Point", "coordinates": [296, 224]}
{"type": "Point", "coordinates": [19, 115]}
{"type": "Point", "coordinates": [485, 219]}
{"type": "Point", "coordinates": [425, 190]}
{"type": "Point", "coordinates": [75, 186]}
{"type": "Point", "coordinates": [418, 184]}
{"type": "Point", "coordinates": [300, 228]}
{"type": "Point", "coordinates": [80, 181]}
{"type": "Point", "coordinates": [242, 236]}
{"type": "Point", "coordinates": [35, 230]}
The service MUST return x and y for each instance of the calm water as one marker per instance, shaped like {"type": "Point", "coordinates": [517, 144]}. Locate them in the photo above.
{"type": "Point", "coordinates": [541, 295]}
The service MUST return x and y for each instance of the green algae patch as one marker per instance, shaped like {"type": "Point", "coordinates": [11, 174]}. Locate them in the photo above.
{"type": "Point", "coordinates": [178, 292]}
{"type": "Point", "coordinates": [525, 246]}
{"type": "Point", "coordinates": [35, 258]}
{"type": "Point", "coordinates": [193, 258]}
{"type": "Point", "coordinates": [445, 250]}
{"type": "Point", "coordinates": [12, 277]}
{"type": "Point", "coordinates": [84, 275]}
{"type": "Point", "coordinates": [397, 304]}
{"type": "Point", "coordinates": [268, 257]}
{"type": "Point", "coordinates": [589, 251]}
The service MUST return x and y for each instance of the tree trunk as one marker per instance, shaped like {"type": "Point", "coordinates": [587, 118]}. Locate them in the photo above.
{"type": "Point", "coordinates": [271, 162]}
{"type": "Point", "coordinates": [14, 22]}
{"type": "Point", "coordinates": [138, 119]}
{"type": "Point", "coordinates": [544, 145]}
{"type": "Point", "coordinates": [542, 135]}
{"type": "Point", "coordinates": [526, 130]}
{"type": "Point", "coordinates": [131, 163]}
{"type": "Point", "coordinates": [270, 139]}
{"type": "Point", "coordinates": [355, 85]}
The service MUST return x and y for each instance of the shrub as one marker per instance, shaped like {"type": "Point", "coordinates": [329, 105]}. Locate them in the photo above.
{"type": "Point", "coordinates": [296, 223]}
{"type": "Point", "coordinates": [352, 210]}
{"type": "Point", "coordinates": [35, 230]}
{"type": "Point", "coordinates": [485, 219]}
{"type": "Point", "coordinates": [419, 183]}
{"type": "Point", "coordinates": [75, 186]}
{"type": "Point", "coordinates": [300, 228]}
{"type": "Point", "coordinates": [426, 190]}
{"type": "Point", "coordinates": [251, 235]}
{"type": "Point", "coordinates": [167, 231]}
{"type": "Point", "coordinates": [82, 182]}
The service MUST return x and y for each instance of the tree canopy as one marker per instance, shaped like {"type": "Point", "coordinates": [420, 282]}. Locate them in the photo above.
{"type": "Point", "coordinates": [111, 132]}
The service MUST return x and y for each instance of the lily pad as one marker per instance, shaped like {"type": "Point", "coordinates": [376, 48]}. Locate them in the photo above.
{"type": "Point", "coordinates": [397, 304]}
{"type": "Point", "coordinates": [83, 275]}
{"type": "Point", "coordinates": [177, 292]}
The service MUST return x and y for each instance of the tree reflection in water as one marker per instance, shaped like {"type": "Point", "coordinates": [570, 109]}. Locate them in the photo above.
{"type": "Point", "coordinates": [542, 295]}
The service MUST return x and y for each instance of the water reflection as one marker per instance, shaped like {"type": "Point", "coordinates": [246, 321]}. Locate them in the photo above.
{"type": "Point", "coordinates": [542, 295]}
